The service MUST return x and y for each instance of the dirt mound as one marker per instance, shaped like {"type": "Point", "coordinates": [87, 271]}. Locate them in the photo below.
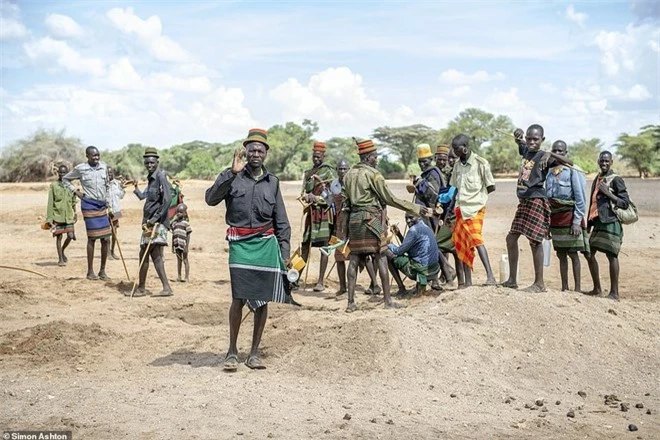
{"type": "Point", "coordinates": [54, 341]}
{"type": "Point", "coordinates": [203, 314]}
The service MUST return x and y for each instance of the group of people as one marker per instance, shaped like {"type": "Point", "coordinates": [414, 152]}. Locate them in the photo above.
{"type": "Point", "coordinates": [348, 205]}
{"type": "Point", "coordinates": [100, 194]}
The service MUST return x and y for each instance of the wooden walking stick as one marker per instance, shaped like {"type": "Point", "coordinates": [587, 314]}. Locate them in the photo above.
{"type": "Point", "coordinates": [24, 270]}
{"type": "Point", "coordinates": [146, 255]}
{"type": "Point", "coordinates": [114, 233]}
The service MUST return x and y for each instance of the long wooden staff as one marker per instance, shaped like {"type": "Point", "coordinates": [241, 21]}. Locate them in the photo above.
{"type": "Point", "coordinates": [146, 255]}
{"type": "Point", "coordinates": [24, 270]}
{"type": "Point", "coordinates": [114, 233]}
{"type": "Point", "coordinates": [559, 158]}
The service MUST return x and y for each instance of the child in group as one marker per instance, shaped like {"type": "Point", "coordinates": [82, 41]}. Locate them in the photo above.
{"type": "Point", "coordinates": [181, 231]}
{"type": "Point", "coordinates": [61, 214]}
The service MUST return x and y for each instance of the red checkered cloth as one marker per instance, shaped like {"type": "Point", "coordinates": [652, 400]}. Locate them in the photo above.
{"type": "Point", "coordinates": [467, 235]}
{"type": "Point", "coordinates": [532, 219]}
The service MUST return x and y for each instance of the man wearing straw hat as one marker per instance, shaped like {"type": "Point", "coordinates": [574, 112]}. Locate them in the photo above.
{"type": "Point", "coordinates": [316, 183]}
{"type": "Point", "coordinates": [426, 188]}
{"type": "Point", "coordinates": [366, 196]}
{"type": "Point", "coordinates": [259, 237]}
{"type": "Point", "coordinates": [154, 222]}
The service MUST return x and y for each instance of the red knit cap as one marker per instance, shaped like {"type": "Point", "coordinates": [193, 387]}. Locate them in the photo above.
{"type": "Point", "coordinates": [366, 146]}
{"type": "Point", "coordinates": [319, 146]}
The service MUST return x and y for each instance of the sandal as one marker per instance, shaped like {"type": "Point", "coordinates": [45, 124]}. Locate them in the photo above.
{"type": "Point", "coordinates": [254, 363]}
{"type": "Point", "coordinates": [231, 363]}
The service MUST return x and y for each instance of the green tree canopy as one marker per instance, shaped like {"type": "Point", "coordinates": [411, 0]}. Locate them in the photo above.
{"type": "Point", "coordinates": [290, 150]}
{"type": "Point", "coordinates": [489, 137]}
{"type": "Point", "coordinates": [403, 141]}
{"type": "Point", "coordinates": [584, 153]}
{"type": "Point", "coordinates": [36, 158]}
{"type": "Point", "coordinates": [639, 151]}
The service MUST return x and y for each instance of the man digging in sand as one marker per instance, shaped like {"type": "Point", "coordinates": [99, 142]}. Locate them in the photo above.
{"type": "Point", "coordinates": [154, 222]}
{"type": "Point", "coordinates": [259, 238]}
{"type": "Point", "coordinates": [366, 194]}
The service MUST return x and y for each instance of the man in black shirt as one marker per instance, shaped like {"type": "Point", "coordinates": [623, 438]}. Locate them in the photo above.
{"type": "Point", "coordinates": [532, 218]}
{"type": "Point", "coordinates": [259, 238]}
{"type": "Point", "coordinates": [154, 222]}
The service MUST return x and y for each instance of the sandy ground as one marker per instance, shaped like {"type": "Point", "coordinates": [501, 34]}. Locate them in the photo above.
{"type": "Point", "coordinates": [480, 363]}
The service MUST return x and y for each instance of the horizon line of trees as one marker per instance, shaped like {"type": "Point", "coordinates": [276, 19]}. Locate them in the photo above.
{"type": "Point", "coordinates": [36, 157]}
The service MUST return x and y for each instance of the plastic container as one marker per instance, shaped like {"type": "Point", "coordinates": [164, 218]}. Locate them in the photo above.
{"type": "Point", "coordinates": [504, 268]}
{"type": "Point", "coordinates": [547, 248]}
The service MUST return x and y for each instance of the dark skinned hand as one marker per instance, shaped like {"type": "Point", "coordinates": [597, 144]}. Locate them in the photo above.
{"type": "Point", "coordinates": [238, 164]}
{"type": "Point", "coordinates": [575, 230]}
{"type": "Point", "coordinates": [518, 134]}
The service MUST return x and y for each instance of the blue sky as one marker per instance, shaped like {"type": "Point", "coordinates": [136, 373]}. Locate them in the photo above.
{"type": "Point", "coordinates": [162, 73]}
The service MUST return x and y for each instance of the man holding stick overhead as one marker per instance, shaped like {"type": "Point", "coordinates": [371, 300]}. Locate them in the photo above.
{"type": "Point", "coordinates": [317, 224]}
{"type": "Point", "coordinates": [532, 218]}
{"type": "Point", "coordinates": [366, 196]}
{"type": "Point", "coordinates": [259, 237]}
{"type": "Point", "coordinates": [157, 198]}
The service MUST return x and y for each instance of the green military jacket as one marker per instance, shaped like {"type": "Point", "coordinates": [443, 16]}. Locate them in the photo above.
{"type": "Point", "coordinates": [61, 204]}
{"type": "Point", "coordinates": [364, 187]}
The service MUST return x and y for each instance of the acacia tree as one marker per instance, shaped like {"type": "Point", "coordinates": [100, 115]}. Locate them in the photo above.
{"type": "Point", "coordinates": [585, 153]}
{"type": "Point", "coordinates": [290, 150]}
{"type": "Point", "coordinates": [36, 157]}
{"type": "Point", "coordinates": [639, 151]}
{"type": "Point", "coordinates": [488, 137]}
{"type": "Point", "coordinates": [403, 141]}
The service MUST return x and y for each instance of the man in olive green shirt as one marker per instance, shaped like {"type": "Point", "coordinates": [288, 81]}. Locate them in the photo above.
{"type": "Point", "coordinates": [473, 181]}
{"type": "Point", "coordinates": [61, 214]}
{"type": "Point", "coordinates": [367, 194]}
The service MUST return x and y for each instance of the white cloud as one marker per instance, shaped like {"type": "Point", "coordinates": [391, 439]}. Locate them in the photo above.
{"type": "Point", "coordinates": [453, 76]}
{"type": "Point", "coordinates": [122, 75]}
{"type": "Point", "coordinates": [335, 97]}
{"type": "Point", "coordinates": [11, 26]}
{"type": "Point", "coordinates": [576, 17]}
{"type": "Point", "coordinates": [628, 51]}
{"type": "Point", "coordinates": [149, 33]}
{"type": "Point", "coordinates": [50, 50]}
{"type": "Point", "coordinates": [548, 87]}
{"type": "Point", "coordinates": [460, 91]}
{"type": "Point", "coordinates": [166, 81]}
{"type": "Point", "coordinates": [63, 26]}
{"type": "Point", "coordinates": [637, 93]}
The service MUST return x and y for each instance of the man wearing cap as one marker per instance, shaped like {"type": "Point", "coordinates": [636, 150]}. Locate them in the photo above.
{"type": "Point", "coordinates": [93, 176]}
{"type": "Point", "coordinates": [473, 181]}
{"type": "Point", "coordinates": [366, 196]}
{"type": "Point", "coordinates": [444, 161]}
{"type": "Point", "coordinates": [154, 222]}
{"type": "Point", "coordinates": [259, 241]}
{"type": "Point", "coordinates": [316, 192]}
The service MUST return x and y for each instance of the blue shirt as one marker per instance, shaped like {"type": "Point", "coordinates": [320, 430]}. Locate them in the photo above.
{"type": "Point", "coordinates": [420, 245]}
{"type": "Point", "coordinates": [568, 185]}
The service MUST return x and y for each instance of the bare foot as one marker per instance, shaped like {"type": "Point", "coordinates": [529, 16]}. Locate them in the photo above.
{"type": "Point", "coordinates": [351, 307]}
{"type": "Point", "coordinates": [535, 288]}
{"type": "Point", "coordinates": [593, 292]}
{"type": "Point", "coordinates": [140, 291]}
{"type": "Point", "coordinates": [491, 282]}
{"type": "Point", "coordinates": [114, 256]}
{"type": "Point", "coordinates": [401, 293]}
{"type": "Point", "coordinates": [613, 296]}
{"type": "Point", "coordinates": [164, 292]}
{"type": "Point", "coordinates": [103, 276]}
{"type": "Point", "coordinates": [61, 263]}
{"type": "Point", "coordinates": [393, 305]}
{"type": "Point", "coordinates": [340, 292]}
{"type": "Point", "coordinates": [435, 285]}
{"type": "Point", "coordinates": [92, 276]}
{"type": "Point", "coordinates": [319, 287]}
{"type": "Point", "coordinates": [462, 286]}
{"type": "Point", "coordinates": [509, 284]}
{"type": "Point", "coordinates": [64, 258]}
{"type": "Point", "coordinates": [178, 279]}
